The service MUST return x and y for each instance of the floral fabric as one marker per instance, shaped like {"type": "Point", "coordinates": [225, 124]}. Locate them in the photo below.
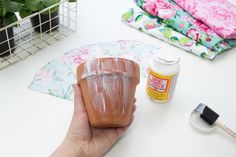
{"type": "Point", "coordinates": [175, 17]}
{"type": "Point", "coordinates": [57, 76]}
{"type": "Point", "coordinates": [151, 25]}
{"type": "Point", "coordinates": [219, 15]}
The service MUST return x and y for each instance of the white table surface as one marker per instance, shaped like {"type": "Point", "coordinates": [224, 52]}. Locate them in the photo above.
{"type": "Point", "coordinates": [33, 124]}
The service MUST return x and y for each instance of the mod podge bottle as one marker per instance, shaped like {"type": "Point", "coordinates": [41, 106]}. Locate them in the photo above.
{"type": "Point", "coordinates": [163, 72]}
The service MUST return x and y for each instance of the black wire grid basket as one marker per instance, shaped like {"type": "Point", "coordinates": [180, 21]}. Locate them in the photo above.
{"type": "Point", "coordinates": [37, 31]}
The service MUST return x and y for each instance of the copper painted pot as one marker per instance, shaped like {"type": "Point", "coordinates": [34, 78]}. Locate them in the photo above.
{"type": "Point", "coordinates": [108, 87]}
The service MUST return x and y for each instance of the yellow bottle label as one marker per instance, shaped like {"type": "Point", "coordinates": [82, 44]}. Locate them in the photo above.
{"type": "Point", "coordinates": [159, 86]}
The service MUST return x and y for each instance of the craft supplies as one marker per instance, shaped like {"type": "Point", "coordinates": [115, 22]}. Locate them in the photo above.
{"type": "Point", "coordinates": [139, 19]}
{"type": "Point", "coordinates": [169, 22]}
{"type": "Point", "coordinates": [168, 12]}
{"type": "Point", "coordinates": [219, 15]}
{"type": "Point", "coordinates": [210, 117]}
{"type": "Point", "coordinates": [162, 76]}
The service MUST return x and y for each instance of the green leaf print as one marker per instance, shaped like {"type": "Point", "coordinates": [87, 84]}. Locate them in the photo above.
{"type": "Point", "coordinates": [200, 41]}
{"type": "Point", "coordinates": [148, 15]}
{"type": "Point", "coordinates": [176, 16]}
{"type": "Point", "coordinates": [168, 22]}
{"type": "Point", "coordinates": [183, 40]}
{"type": "Point", "coordinates": [140, 29]}
{"type": "Point", "coordinates": [159, 20]}
{"type": "Point", "coordinates": [189, 25]}
{"type": "Point", "coordinates": [128, 16]}
{"type": "Point", "coordinates": [174, 39]}
{"type": "Point", "coordinates": [140, 3]}
{"type": "Point", "coordinates": [167, 33]}
{"type": "Point", "coordinates": [203, 55]}
{"type": "Point", "coordinates": [139, 17]}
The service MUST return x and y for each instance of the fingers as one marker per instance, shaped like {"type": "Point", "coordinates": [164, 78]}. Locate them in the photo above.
{"type": "Point", "coordinates": [134, 108]}
{"type": "Point", "coordinates": [131, 120]}
{"type": "Point", "coordinates": [132, 116]}
{"type": "Point", "coordinates": [80, 120]}
{"type": "Point", "coordinates": [78, 99]}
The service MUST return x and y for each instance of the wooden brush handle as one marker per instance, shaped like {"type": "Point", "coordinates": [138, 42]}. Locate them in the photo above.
{"type": "Point", "coordinates": [226, 129]}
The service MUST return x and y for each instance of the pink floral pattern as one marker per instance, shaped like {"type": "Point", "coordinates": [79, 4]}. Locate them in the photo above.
{"type": "Point", "coordinates": [181, 21]}
{"type": "Point", "coordinates": [159, 7]}
{"type": "Point", "coordinates": [56, 77]}
{"type": "Point", "coordinates": [219, 15]}
{"type": "Point", "coordinates": [193, 34]}
{"type": "Point", "coordinates": [147, 24]}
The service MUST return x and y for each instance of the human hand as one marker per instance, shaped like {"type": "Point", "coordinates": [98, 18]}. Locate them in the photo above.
{"type": "Point", "coordinates": [82, 140]}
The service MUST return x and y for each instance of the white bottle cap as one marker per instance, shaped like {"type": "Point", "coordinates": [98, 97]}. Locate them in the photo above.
{"type": "Point", "coordinates": [165, 56]}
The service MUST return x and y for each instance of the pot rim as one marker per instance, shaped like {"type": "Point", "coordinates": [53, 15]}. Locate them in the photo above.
{"type": "Point", "coordinates": [97, 66]}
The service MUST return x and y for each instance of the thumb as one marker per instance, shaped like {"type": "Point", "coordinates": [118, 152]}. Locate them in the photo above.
{"type": "Point", "coordinates": [79, 129]}
{"type": "Point", "coordinates": [78, 100]}
{"type": "Point", "coordinates": [80, 115]}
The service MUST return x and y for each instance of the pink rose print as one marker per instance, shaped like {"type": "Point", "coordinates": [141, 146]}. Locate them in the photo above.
{"type": "Point", "coordinates": [187, 18]}
{"type": "Point", "coordinates": [160, 8]}
{"type": "Point", "coordinates": [166, 13]}
{"type": "Point", "coordinates": [219, 28]}
{"type": "Point", "coordinates": [149, 25]}
{"type": "Point", "coordinates": [193, 34]}
{"type": "Point", "coordinates": [151, 8]}
{"type": "Point", "coordinates": [219, 15]}
{"type": "Point", "coordinates": [79, 58]}
{"type": "Point", "coordinates": [190, 43]}
{"type": "Point", "coordinates": [200, 25]}
{"type": "Point", "coordinates": [181, 25]}
{"type": "Point", "coordinates": [223, 45]}
{"type": "Point", "coordinates": [208, 39]}
{"type": "Point", "coordinates": [203, 28]}
{"type": "Point", "coordinates": [43, 75]}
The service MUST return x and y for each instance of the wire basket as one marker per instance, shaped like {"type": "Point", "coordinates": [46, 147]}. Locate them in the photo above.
{"type": "Point", "coordinates": [37, 31]}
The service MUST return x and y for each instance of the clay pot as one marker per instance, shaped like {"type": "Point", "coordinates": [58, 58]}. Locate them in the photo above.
{"type": "Point", "coordinates": [108, 87]}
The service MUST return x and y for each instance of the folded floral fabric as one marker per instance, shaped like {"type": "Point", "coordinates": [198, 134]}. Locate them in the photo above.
{"type": "Point", "coordinates": [57, 76]}
{"type": "Point", "coordinates": [219, 15]}
{"type": "Point", "coordinates": [175, 17]}
{"type": "Point", "coordinates": [139, 19]}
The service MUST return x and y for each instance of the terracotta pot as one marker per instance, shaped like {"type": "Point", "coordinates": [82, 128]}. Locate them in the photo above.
{"type": "Point", "coordinates": [108, 87]}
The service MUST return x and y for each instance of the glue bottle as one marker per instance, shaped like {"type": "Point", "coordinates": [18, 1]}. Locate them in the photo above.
{"type": "Point", "coordinates": [163, 72]}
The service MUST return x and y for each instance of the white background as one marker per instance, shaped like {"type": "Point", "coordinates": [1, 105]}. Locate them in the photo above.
{"type": "Point", "coordinates": [33, 124]}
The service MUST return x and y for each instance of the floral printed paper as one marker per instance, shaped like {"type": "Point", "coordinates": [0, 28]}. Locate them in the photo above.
{"type": "Point", "coordinates": [57, 76]}
{"type": "Point", "coordinates": [219, 15]}
{"type": "Point", "coordinates": [149, 24]}
{"type": "Point", "coordinates": [175, 17]}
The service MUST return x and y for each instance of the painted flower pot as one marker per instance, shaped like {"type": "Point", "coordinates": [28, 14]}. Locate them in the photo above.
{"type": "Point", "coordinates": [45, 22]}
{"type": "Point", "coordinates": [108, 87]}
